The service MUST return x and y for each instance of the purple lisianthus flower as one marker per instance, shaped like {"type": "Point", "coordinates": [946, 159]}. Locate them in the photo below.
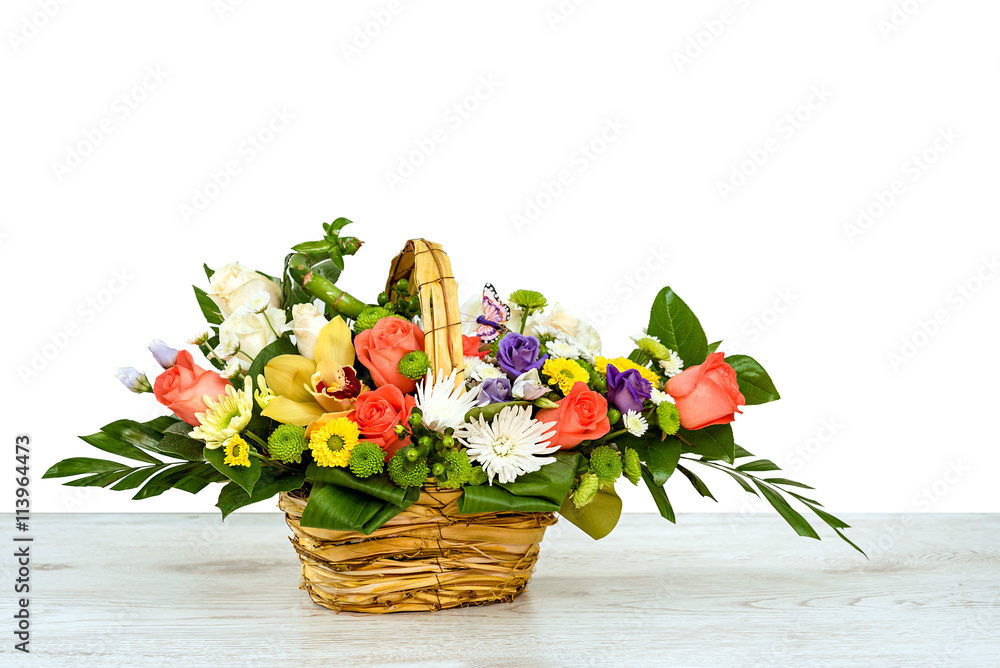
{"type": "Point", "coordinates": [518, 354]}
{"type": "Point", "coordinates": [627, 389]}
{"type": "Point", "coordinates": [494, 391]}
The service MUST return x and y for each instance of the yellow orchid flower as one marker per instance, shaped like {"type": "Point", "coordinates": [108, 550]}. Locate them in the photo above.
{"type": "Point", "coordinates": [307, 389]}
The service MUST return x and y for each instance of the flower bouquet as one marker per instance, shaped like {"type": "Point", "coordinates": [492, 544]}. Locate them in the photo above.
{"type": "Point", "coordinates": [420, 447]}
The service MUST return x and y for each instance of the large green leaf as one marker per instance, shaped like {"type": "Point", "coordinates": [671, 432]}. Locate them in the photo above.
{"type": "Point", "coordinates": [182, 447]}
{"type": "Point", "coordinates": [755, 385]}
{"type": "Point", "coordinates": [714, 442]}
{"type": "Point", "coordinates": [599, 517]}
{"type": "Point", "coordinates": [79, 465]}
{"type": "Point", "coordinates": [675, 325]}
{"type": "Point", "coordinates": [551, 482]}
{"type": "Point", "coordinates": [209, 308]}
{"type": "Point", "coordinates": [696, 482]}
{"type": "Point", "coordinates": [109, 443]}
{"type": "Point", "coordinates": [659, 496]}
{"type": "Point", "coordinates": [379, 486]}
{"type": "Point", "coordinates": [790, 515]}
{"type": "Point", "coordinates": [341, 509]}
{"type": "Point", "coordinates": [271, 482]}
{"type": "Point", "coordinates": [663, 458]}
{"type": "Point", "coordinates": [244, 476]}
{"type": "Point", "coordinates": [759, 465]}
{"type": "Point", "coordinates": [166, 479]}
{"type": "Point", "coordinates": [493, 499]}
{"type": "Point", "coordinates": [137, 477]}
{"type": "Point", "coordinates": [98, 479]}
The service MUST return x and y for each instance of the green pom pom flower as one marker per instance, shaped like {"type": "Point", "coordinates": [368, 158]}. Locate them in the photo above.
{"type": "Point", "coordinates": [605, 464]}
{"type": "Point", "coordinates": [528, 300]}
{"type": "Point", "coordinates": [457, 467]}
{"type": "Point", "coordinates": [632, 469]}
{"type": "Point", "coordinates": [668, 418]}
{"type": "Point", "coordinates": [368, 318]}
{"type": "Point", "coordinates": [586, 490]}
{"type": "Point", "coordinates": [367, 459]}
{"type": "Point", "coordinates": [414, 365]}
{"type": "Point", "coordinates": [477, 476]}
{"type": "Point", "coordinates": [407, 474]}
{"type": "Point", "coordinates": [287, 443]}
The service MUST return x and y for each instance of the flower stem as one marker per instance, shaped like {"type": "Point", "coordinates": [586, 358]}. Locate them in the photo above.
{"type": "Point", "coordinates": [323, 289]}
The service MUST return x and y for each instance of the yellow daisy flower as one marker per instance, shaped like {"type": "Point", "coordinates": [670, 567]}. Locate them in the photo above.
{"type": "Point", "coordinates": [332, 444]}
{"type": "Point", "coordinates": [624, 364]}
{"type": "Point", "coordinates": [565, 373]}
{"type": "Point", "coordinates": [237, 452]}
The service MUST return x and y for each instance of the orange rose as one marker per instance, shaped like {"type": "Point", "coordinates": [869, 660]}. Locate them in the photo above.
{"type": "Point", "coordinates": [181, 387]}
{"type": "Point", "coordinates": [381, 347]}
{"type": "Point", "coordinates": [470, 347]}
{"type": "Point", "coordinates": [377, 413]}
{"type": "Point", "coordinates": [582, 415]}
{"type": "Point", "coordinates": [706, 394]}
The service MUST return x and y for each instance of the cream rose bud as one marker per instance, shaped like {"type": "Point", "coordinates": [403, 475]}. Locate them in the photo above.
{"type": "Point", "coordinates": [233, 285]}
{"type": "Point", "coordinates": [528, 386]}
{"type": "Point", "coordinates": [253, 331]}
{"type": "Point", "coordinates": [306, 323]}
{"type": "Point", "coordinates": [559, 318]}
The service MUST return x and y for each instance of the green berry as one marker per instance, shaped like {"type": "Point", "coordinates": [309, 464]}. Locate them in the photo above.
{"type": "Point", "coordinates": [414, 365]}
{"type": "Point", "coordinates": [437, 469]}
{"type": "Point", "coordinates": [614, 415]}
{"type": "Point", "coordinates": [416, 419]}
{"type": "Point", "coordinates": [383, 299]}
{"type": "Point", "coordinates": [448, 442]}
{"type": "Point", "coordinates": [425, 442]}
{"type": "Point", "coordinates": [605, 463]}
{"type": "Point", "coordinates": [414, 303]}
{"type": "Point", "coordinates": [668, 418]}
{"type": "Point", "coordinates": [367, 459]}
{"type": "Point", "coordinates": [287, 443]}
{"type": "Point", "coordinates": [632, 469]}
{"type": "Point", "coordinates": [368, 317]}
{"type": "Point", "coordinates": [407, 474]}
{"type": "Point", "coordinates": [411, 454]}
{"type": "Point", "coordinates": [586, 490]}
{"type": "Point", "coordinates": [402, 285]}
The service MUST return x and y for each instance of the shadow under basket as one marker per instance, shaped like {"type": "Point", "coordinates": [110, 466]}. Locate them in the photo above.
{"type": "Point", "coordinates": [427, 558]}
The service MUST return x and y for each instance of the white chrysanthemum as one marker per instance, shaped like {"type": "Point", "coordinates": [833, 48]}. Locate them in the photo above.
{"type": "Point", "coordinates": [224, 416]}
{"type": "Point", "coordinates": [480, 370]}
{"type": "Point", "coordinates": [560, 348]}
{"type": "Point", "coordinates": [539, 331]}
{"type": "Point", "coordinates": [201, 337]}
{"type": "Point", "coordinates": [227, 348]}
{"type": "Point", "coordinates": [259, 302]}
{"type": "Point", "coordinates": [509, 445]}
{"type": "Point", "coordinates": [672, 365]}
{"type": "Point", "coordinates": [659, 396]}
{"type": "Point", "coordinates": [232, 369]}
{"type": "Point", "coordinates": [635, 424]}
{"type": "Point", "coordinates": [442, 403]}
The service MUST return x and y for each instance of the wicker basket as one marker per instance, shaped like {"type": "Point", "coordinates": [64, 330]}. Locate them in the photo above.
{"type": "Point", "coordinates": [428, 557]}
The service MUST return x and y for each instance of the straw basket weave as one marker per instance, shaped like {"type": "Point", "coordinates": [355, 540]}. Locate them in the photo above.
{"type": "Point", "coordinates": [429, 557]}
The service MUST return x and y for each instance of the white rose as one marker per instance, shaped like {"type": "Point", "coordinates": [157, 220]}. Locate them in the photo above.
{"type": "Point", "coordinates": [581, 333]}
{"type": "Point", "coordinates": [528, 386]}
{"type": "Point", "coordinates": [307, 320]}
{"type": "Point", "coordinates": [253, 331]}
{"type": "Point", "coordinates": [234, 284]}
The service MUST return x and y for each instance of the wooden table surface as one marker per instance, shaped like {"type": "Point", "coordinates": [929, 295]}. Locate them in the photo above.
{"type": "Point", "coordinates": [715, 590]}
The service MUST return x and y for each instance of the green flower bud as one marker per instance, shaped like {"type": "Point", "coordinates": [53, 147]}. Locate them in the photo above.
{"type": "Point", "coordinates": [586, 490]}
{"type": "Point", "coordinates": [633, 470]}
{"type": "Point", "coordinates": [605, 463]}
{"type": "Point", "coordinates": [367, 459]}
{"type": "Point", "coordinates": [287, 443]}
{"type": "Point", "coordinates": [414, 365]}
{"type": "Point", "coordinates": [668, 418]}
{"type": "Point", "coordinates": [368, 317]}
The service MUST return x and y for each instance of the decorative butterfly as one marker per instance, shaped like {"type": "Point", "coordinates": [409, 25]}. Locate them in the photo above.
{"type": "Point", "coordinates": [495, 314]}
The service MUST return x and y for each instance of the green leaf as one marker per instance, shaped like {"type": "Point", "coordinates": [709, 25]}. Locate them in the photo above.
{"type": "Point", "coordinates": [244, 476]}
{"type": "Point", "coordinates": [675, 325]}
{"type": "Point", "coordinates": [260, 425]}
{"type": "Point", "coordinates": [712, 347]}
{"type": "Point", "coordinates": [97, 480]}
{"type": "Point", "coordinates": [165, 479]}
{"type": "Point", "coordinates": [659, 496]}
{"type": "Point", "coordinates": [209, 308]}
{"type": "Point", "coordinates": [738, 478]}
{"type": "Point", "coordinates": [329, 269]}
{"type": "Point", "coordinates": [134, 433]}
{"type": "Point", "coordinates": [599, 517]}
{"type": "Point", "coordinates": [272, 481]}
{"type": "Point", "coordinates": [312, 247]}
{"type": "Point", "coordinates": [337, 508]}
{"type": "Point", "coordinates": [379, 486]}
{"type": "Point", "coordinates": [755, 385]}
{"type": "Point", "coordinates": [696, 482]}
{"type": "Point", "coordinates": [835, 524]}
{"type": "Point", "coordinates": [786, 481]}
{"type": "Point", "coordinates": [182, 447]}
{"type": "Point", "coordinates": [790, 515]}
{"type": "Point", "coordinates": [759, 465]}
{"type": "Point", "coordinates": [491, 411]}
{"type": "Point", "coordinates": [552, 482]}
{"type": "Point", "coordinates": [663, 458]}
{"type": "Point", "coordinates": [109, 443]}
{"type": "Point", "coordinates": [494, 499]}
{"type": "Point", "coordinates": [209, 272]}
{"type": "Point", "coordinates": [137, 477]}
{"type": "Point", "coordinates": [714, 442]}
{"type": "Point", "coordinates": [742, 452]}
{"type": "Point", "coordinates": [78, 465]}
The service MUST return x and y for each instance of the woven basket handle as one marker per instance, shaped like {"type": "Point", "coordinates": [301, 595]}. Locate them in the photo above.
{"type": "Point", "coordinates": [427, 268]}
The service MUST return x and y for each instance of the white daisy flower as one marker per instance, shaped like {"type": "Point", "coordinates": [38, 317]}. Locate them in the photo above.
{"type": "Point", "coordinates": [201, 337]}
{"type": "Point", "coordinates": [560, 348]}
{"type": "Point", "coordinates": [672, 365]}
{"type": "Point", "coordinates": [225, 416]}
{"type": "Point", "coordinates": [509, 445]}
{"type": "Point", "coordinates": [442, 403]}
{"type": "Point", "coordinates": [227, 348]}
{"type": "Point", "coordinates": [635, 423]}
{"type": "Point", "coordinates": [481, 370]}
{"type": "Point", "coordinates": [259, 302]}
{"type": "Point", "coordinates": [659, 396]}
{"type": "Point", "coordinates": [232, 369]}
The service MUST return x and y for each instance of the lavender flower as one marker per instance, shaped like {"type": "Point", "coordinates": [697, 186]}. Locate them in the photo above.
{"type": "Point", "coordinates": [164, 354]}
{"type": "Point", "coordinates": [494, 391]}
{"type": "Point", "coordinates": [627, 390]}
{"type": "Point", "coordinates": [518, 354]}
{"type": "Point", "coordinates": [133, 379]}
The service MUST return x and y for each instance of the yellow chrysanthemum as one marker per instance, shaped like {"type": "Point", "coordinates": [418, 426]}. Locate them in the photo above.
{"type": "Point", "coordinates": [237, 452]}
{"type": "Point", "coordinates": [565, 373]}
{"type": "Point", "coordinates": [624, 364]}
{"type": "Point", "coordinates": [225, 416]}
{"type": "Point", "coordinates": [332, 444]}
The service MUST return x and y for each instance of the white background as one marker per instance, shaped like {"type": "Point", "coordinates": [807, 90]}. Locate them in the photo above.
{"type": "Point", "coordinates": [871, 435]}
